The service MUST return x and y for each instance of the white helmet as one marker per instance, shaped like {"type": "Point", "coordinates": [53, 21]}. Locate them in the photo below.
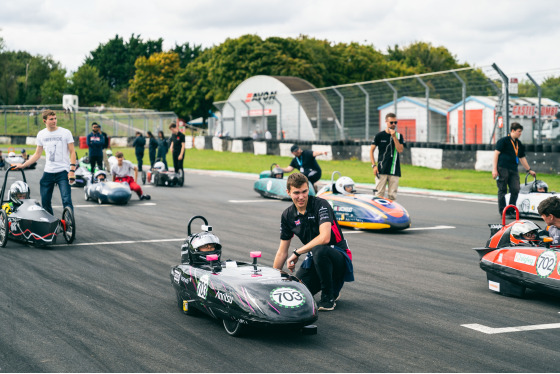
{"type": "Point", "coordinates": [345, 185]}
{"type": "Point", "coordinates": [12, 154]}
{"type": "Point", "coordinates": [98, 173]}
{"type": "Point", "coordinates": [159, 166]}
{"type": "Point", "coordinates": [18, 188]}
{"type": "Point", "coordinates": [525, 233]}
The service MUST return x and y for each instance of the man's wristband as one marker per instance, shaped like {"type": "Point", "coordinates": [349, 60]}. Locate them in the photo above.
{"type": "Point", "coordinates": [373, 165]}
{"type": "Point", "coordinates": [295, 252]}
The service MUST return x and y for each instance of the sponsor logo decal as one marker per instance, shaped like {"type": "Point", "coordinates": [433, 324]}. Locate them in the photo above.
{"type": "Point", "coordinates": [258, 96]}
{"type": "Point", "coordinates": [224, 297]}
{"type": "Point", "coordinates": [269, 185]}
{"type": "Point", "coordinates": [494, 286]}
{"type": "Point", "coordinates": [526, 259]}
{"type": "Point", "coordinates": [344, 209]}
{"type": "Point", "coordinates": [287, 297]}
{"type": "Point", "coordinates": [546, 264]}
{"type": "Point", "coordinates": [176, 276]}
{"type": "Point", "coordinates": [501, 257]}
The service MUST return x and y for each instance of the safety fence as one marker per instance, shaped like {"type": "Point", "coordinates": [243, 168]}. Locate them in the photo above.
{"type": "Point", "coordinates": [461, 106]}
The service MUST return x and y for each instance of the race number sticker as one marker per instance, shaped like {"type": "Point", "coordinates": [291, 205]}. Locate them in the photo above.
{"type": "Point", "coordinates": [287, 297]}
{"type": "Point", "coordinates": [269, 186]}
{"type": "Point", "coordinates": [546, 264]}
{"type": "Point", "coordinates": [202, 286]}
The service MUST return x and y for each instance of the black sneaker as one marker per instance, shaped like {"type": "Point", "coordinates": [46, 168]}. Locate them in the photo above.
{"type": "Point", "coordinates": [337, 296]}
{"type": "Point", "coordinates": [327, 303]}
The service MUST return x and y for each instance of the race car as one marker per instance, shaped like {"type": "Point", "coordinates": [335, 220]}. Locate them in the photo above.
{"type": "Point", "coordinates": [14, 159]}
{"type": "Point", "coordinates": [106, 192]}
{"type": "Point", "coordinates": [241, 294]}
{"type": "Point", "coordinates": [518, 256]}
{"type": "Point", "coordinates": [161, 177]}
{"type": "Point", "coordinates": [31, 224]}
{"type": "Point", "coordinates": [362, 211]}
{"type": "Point", "coordinates": [271, 184]}
{"type": "Point", "coordinates": [530, 196]}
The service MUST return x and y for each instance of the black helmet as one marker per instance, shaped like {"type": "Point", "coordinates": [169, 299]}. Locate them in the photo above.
{"type": "Point", "coordinates": [190, 250]}
{"type": "Point", "coordinates": [277, 173]}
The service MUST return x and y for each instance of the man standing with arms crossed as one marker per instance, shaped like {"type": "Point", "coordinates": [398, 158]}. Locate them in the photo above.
{"type": "Point", "coordinates": [388, 169]}
{"type": "Point", "coordinates": [60, 164]}
{"type": "Point", "coordinates": [96, 143]}
{"type": "Point", "coordinates": [177, 147]}
{"type": "Point", "coordinates": [507, 156]}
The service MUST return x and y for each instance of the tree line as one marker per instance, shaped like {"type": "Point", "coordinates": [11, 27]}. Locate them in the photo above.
{"type": "Point", "coordinates": [187, 78]}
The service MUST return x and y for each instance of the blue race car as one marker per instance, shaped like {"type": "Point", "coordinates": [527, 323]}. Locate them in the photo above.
{"type": "Point", "coordinates": [271, 184]}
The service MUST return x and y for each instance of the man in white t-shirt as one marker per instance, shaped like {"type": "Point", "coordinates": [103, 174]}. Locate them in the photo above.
{"type": "Point", "coordinates": [122, 172]}
{"type": "Point", "coordinates": [60, 165]}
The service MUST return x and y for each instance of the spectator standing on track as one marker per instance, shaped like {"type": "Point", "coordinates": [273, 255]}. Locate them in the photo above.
{"type": "Point", "coordinates": [60, 164]}
{"type": "Point", "coordinates": [163, 148]}
{"type": "Point", "coordinates": [96, 143]}
{"type": "Point", "coordinates": [507, 156]}
{"type": "Point", "coordinates": [122, 172]}
{"type": "Point", "coordinates": [387, 170]}
{"type": "Point", "coordinates": [177, 147]}
{"type": "Point", "coordinates": [328, 263]}
{"type": "Point", "coordinates": [152, 148]}
{"type": "Point", "coordinates": [549, 209]}
{"type": "Point", "coordinates": [139, 145]}
{"type": "Point", "coordinates": [306, 163]}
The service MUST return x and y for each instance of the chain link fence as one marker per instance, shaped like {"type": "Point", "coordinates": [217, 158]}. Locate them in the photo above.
{"type": "Point", "coordinates": [26, 120]}
{"type": "Point", "coordinates": [461, 106]}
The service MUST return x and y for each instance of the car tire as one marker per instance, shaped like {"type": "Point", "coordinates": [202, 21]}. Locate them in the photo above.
{"type": "Point", "coordinates": [69, 232]}
{"type": "Point", "coordinates": [86, 196]}
{"type": "Point", "coordinates": [181, 178]}
{"type": "Point", "coordinates": [99, 201]}
{"type": "Point", "coordinates": [3, 228]}
{"type": "Point", "coordinates": [233, 327]}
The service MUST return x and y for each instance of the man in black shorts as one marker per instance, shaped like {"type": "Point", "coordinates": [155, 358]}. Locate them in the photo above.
{"type": "Point", "coordinates": [177, 147]}
{"type": "Point", "coordinates": [306, 163]}
{"type": "Point", "coordinates": [328, 263]}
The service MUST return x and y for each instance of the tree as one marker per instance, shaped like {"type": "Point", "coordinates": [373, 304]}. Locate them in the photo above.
{"type": "Point", "coordinates": [424, 57]}
{"type": "Point", "coordinates": [115, 59]}
{"type": "Point", "coordinates": [89, 86]}
{"type": "Point", "coordinates": [187, 53]}
{"type": "Point", "coordinates": [153, 81]}
{"type": "Point", "coordinates": [54, 87]}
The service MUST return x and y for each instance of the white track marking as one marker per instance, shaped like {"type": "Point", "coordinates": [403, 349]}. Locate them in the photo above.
{"type": "Point", "coordinates": [501, 330]}
{"type": "Point", "coordinates": [104, 205]}
{"type": "Point", "coordinates": [430, 228]}
{"type": "Point", "coordinates": [254, 201]}
{"type": "Point", "coordinates": [123, 242]}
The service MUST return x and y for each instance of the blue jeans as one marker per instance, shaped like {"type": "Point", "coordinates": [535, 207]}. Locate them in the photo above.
{"type": "Point", "coordinates": [47, 186]}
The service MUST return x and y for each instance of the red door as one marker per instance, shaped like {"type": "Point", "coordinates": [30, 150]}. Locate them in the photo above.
{"type": "Point", "coordinates": [474, 126]}
{"type": "Point", "coordinates": [407, 127]}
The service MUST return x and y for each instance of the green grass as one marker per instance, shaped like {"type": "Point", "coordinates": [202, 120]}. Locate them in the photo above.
{"type": "Point", "coordinates": [471, 181]}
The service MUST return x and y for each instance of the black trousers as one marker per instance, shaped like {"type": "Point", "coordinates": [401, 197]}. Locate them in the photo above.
{"type": "Point", "coordinates": [507, 178]}
{"type": "Point", "coordinates": [327, 272]}
{"type": "Point", "coordinates": [139, 157]}
{"type": "Point", "coordinates": [93, 160]}
{"type": "Point", "coordinates": [177, 164]}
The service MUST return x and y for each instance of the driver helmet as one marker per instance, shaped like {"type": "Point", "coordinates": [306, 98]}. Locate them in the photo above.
{"type": "Point", "coordinates": [200, 245]}
{"type": "Point", "coordinates": [12, 154]}
{"type": "Point", "coordinates": [524, 233]}
{"type": "Point", "coordinates": [109, 153]}
{"type": "Point", "coordinates": [159, 166]}
{"type": "Point", "coordinates": [345, 185]}
{"type": "Point", "coordinates": [19, 191]}
{"type": "Point", "coordinates": [541, 186]}
{"type": "Point", "coordinates": [277, 173]}
{"type": "Point", "coordinates": [98, 173]}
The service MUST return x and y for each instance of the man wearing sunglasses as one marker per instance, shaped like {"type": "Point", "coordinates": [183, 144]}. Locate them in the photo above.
{"type": "Point", "coordinates": [96, 143]}
{"type": "Point", "coordinates": [387, 170]}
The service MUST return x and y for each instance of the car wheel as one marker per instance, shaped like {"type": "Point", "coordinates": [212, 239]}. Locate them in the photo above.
{"type": "Point", "coordinates": [143, 177]}
{"type": "Point", "coordinates": [3, 228]}
{"type": "Point", "coordinates": [86, 196]}
{"type": "Point", "coordinates": [233, 327]}
{"type": "Point", "coordinates": [181, 178]}
{"type": "Point", "coordinates": [99, 201]}
{"type": "Point", "coordinates": [69, 227]}
{"type": "Point", "coordinates": [184, 305]}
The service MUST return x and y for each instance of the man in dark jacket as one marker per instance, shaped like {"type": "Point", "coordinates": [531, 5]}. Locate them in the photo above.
{"type": "Point", "coordinates": [96, 143]}
{"type": "Point", "coordinates": [139, 145]}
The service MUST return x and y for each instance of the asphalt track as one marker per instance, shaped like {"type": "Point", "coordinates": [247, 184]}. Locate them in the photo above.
{"type": "Point", "coordinates": [105, 303]}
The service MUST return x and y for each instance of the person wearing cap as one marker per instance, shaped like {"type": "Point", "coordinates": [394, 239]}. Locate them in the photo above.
{"type": "Point", "coordinates": [387, 170]}
{"type": "Point", "coordinates": [25, 157]}
{"type": "Point", "coordinates": [60, 161]}
{"type": "Point", "coordinates": [306, 163]}
{"type": "Point", "coordinates": [96, 143]}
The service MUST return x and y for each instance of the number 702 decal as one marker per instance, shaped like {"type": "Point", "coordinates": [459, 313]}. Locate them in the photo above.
{"type": "Point", "coordinates": [546, 263]}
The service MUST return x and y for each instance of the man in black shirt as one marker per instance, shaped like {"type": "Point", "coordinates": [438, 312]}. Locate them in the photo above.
{"type": "Point", "coordinates": [507, 156]}
{"type": "Point", "coordinates": [177, 147]}
{"type": "Point", "coordinates": [306, 163]}
{"type": "Point", "coordinates": [388, 168]}
{"type": "Point", "coordinates": [139, 145]}
{"type": "Point", "coordinates": [329, 261]}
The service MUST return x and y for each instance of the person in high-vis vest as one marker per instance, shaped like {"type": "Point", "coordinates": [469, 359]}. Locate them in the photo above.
{"type": "Point", "coordinates": [387, 169]}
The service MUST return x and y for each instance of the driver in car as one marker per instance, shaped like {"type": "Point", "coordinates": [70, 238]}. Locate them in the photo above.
{"type": "Point", "coordinates": [100, 176]}
{"type": "Point", "coordinates": [345, 185]}
{"type": "Point", "coordinates": [18, 191]}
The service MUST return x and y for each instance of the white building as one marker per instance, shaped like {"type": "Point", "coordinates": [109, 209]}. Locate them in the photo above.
{"type": "Point", "coordinates": [413, 118]}
{"type": "Point", "coordinates": [288, 107]}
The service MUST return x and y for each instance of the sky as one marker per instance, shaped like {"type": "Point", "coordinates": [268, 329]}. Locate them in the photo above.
{"type": "Point", "coordinates": [519, 36]}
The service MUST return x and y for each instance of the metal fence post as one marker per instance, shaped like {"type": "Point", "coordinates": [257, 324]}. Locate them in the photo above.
{"type": "Point", "coordinates": [539, 123]}
{"type": "Point", "coordinates": [395, 96]}
{"type": "Point", "coordinates": [367, 110]}
{"type": "Point", "coordinates": [505, 80]}
{"type": "Point", "coordinates": [464, 95]}
{"type": "Point", "coordinates": [427, 108]}
{"type": "Point", "coordinates": [279, 128]}
{"type": "Point", "coordinates": [248, 117]}
{"type": "Point", "coordinates": [342, 135]}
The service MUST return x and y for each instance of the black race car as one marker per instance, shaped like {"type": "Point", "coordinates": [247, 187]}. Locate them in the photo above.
{"type": "Point", "coordinates": [241, 294]}
{"type": "Point", "coordinates": [158, 176]}
{"type": "Point", "coordinates": [32, 224]}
